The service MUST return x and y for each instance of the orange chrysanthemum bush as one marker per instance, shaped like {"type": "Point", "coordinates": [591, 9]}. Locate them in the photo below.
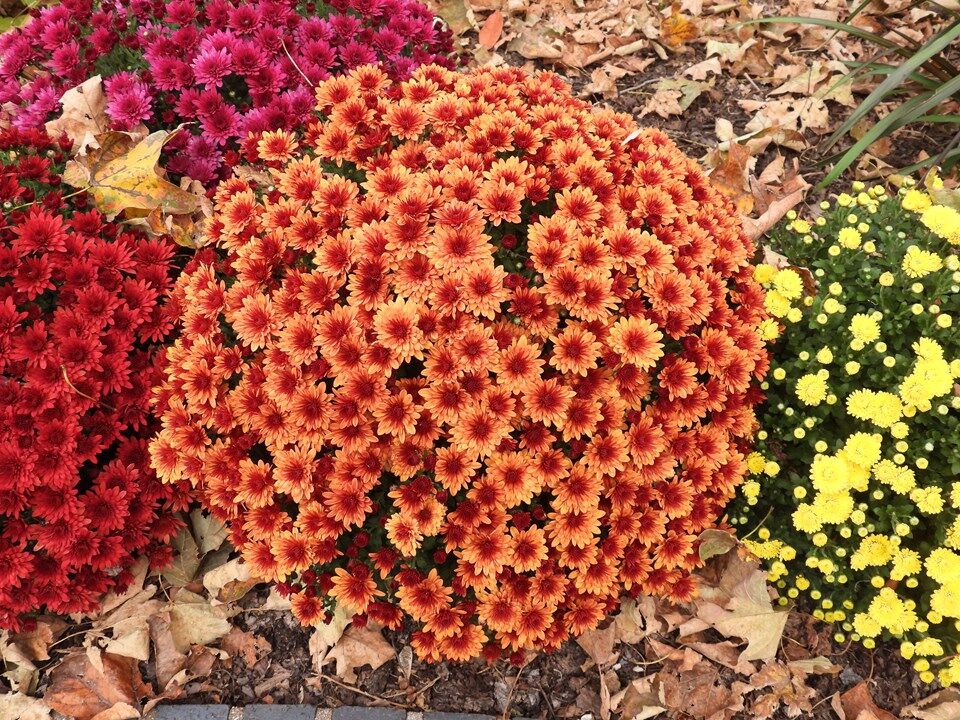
{"type": "Point", "coordinates": [482, 356]}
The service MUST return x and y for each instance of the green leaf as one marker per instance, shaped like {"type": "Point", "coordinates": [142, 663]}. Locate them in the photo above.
{"type": "Point", "coordinates": [932, 47]}
{"type": "Point", "coordinates": [903, 115]}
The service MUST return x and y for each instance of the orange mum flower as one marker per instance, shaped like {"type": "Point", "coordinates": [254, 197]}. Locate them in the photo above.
{"type": "Point", "coordinates": [393, 379]}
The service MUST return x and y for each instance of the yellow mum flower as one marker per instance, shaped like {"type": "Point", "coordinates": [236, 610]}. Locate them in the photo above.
{"type": "Point", "coordinates": [805, 519]}
{"type": "Point", "coordinates": [769, 330]}
{"type": "Point", "coordinates": [863, 449]}
{"type": "Point", "coordinates": [883, 409]}
{"type": "Point", "coordinates": [864, 328]}
{"type": "Point", "coordinates": [915, 200]}
{"type": "Point", "coordinates": [866, 626]}
{"type": "Point", "coordinates": [833, 508]}
{"type": "Point", "coordinates": [928, 500]}
{"type": "Point", "coordinates": [764, 274]}
{"type": "Point", "coordinates": [929, 647]}
{"type": "Point", "coordinates": [874, 550]}
{"type": "Point", "coordinates": [906, 562]}
{"type": "Point", "coordinates": [891, 612]}
{"type": "Point", "coordinates": [829, 474]}
{"type": "Point", "coordinates": [776, 304]}
{"type": "Point", "coordinates": [918, 263]}
{"type": "Point", "coordinates": [849, 238]}
{"type": "Point", "coordinates": [943, 566]}
{"type": "Point", "coordinates": [801, 226]}
{"type": "Point", "coordinates": [928, 379]}
{"type": "Point", "coordinates": [812, 389]}
{"type": "Point", "coordinates": [943, 221]}
{"type": "Point", "coordinates": [789, 284]}
{"type": "Point", "coordinates": [900, 479]}
{"type": "Point", "coordinates": [755, 463]}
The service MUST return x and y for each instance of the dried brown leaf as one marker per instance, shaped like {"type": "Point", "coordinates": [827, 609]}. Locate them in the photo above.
{"type": "Point", "coordinates": [858, 704]}
{"type": "Point", "coordinates": [491, 30]}
{"type": "Point", "coordinates": [599, 645]}
{"type": "Point", "coordinates": [359, 647]}
{"type": "Point", "coordinates": [86, 684]}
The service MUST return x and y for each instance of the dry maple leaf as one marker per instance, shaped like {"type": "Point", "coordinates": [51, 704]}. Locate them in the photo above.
{"type": "Point", "coordinates": [91, 684]}
{"type": "Point", "coordinates": [730, 175]}
{"type": "Point", "coordinates": [359, 647]}
{"type": "Point", "coordinates": [599, 644]}
{"type": "Point", "coordinates": [677, 29]}
{"type": "Point", "coordinates": [122, 175]}
{"type": "Point", "coordinates": [739, 606]}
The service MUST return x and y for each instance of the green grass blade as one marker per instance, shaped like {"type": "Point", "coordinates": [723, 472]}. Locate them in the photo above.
{"type": "Point", "coordinates": [903, 115]}
{"type": "Point", "coordinates": [933, 47]}
{"type": "Point", "coordinates": [832, 24]}
{"type": "Point", "coordinates": [875, 68]}
{"type": "Point", "coordinates": [949, 159]}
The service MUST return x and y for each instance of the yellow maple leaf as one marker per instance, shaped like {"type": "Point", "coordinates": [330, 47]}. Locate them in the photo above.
{"type": "Point", "coordinates": [677, 29]}
{"type": "Point", "coordinates": [122, 175]}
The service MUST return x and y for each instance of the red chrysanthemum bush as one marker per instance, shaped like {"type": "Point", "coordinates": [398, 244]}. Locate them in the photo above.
{"type": "Point", "coordinates": [482, 356]}
{"type": "Point", "coordinates": [80, 311]}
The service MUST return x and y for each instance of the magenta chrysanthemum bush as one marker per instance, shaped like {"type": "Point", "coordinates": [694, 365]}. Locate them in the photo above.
{"type": "Point", "coordinates": [226, 67]}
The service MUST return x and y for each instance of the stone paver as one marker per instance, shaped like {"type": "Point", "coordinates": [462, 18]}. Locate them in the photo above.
{"type": "Point", "coordinates": [279, 712]}
{"type": "Point", "coordinates": [189, 712]}
{"type": "Point", "coordinates": [368, 713]}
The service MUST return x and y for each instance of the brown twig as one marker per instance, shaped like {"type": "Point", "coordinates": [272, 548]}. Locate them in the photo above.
{"type": "Point", "coordinates": [66, 378]}
{"type": "Point", "coordinates": [354, 688]}
{"type": "Point", "coordinates": [506, 707]}
{"type": "Point", "coordinates": [290, 58]}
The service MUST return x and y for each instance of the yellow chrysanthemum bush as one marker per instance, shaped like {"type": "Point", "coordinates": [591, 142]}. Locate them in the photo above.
{"type": "Point", "coordinates": [854, 486]}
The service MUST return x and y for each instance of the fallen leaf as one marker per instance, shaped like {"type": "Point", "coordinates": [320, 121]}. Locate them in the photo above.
{"type": "Point", "coordinates": [740, 607]}
{"type": "Point", "coordinates": [229, 582]}
{"type": "Point", "coordinates": [83, 689]}
{"type": "Point", "coordinates": [677, 29]}
{"type": "Point", "coordinates": [663, 103]}
{"type": "Point", "coordinates": [194, 621]}
{"type": "Point", "coordinates": [359, 647]}
{"type": "Point", "coordinates": [457, 14]}
{"type": "Point", "coordinates": [754, 229]}
{"type": "Point", "coordinates": [629, 622]}
{"type": "Point", "coordinates": [599, 644]}
{"type": "Point", "coordinates": [207, 530]}
{"type": "Point", "coordinates": [701, 70]}
{"type": "Point", "coordinates": [327, 635]}
{"type": "Point", "coordinates": [715, 542]}
{"type": "Point", "coordinates": [168, 660]}
{"type": "Point", "coordinates": [18, 706]}
{"type": "Point", "coordinates": [245, 645]}
{"type": "Point", "coordinates": [858, 704]}
{"type": "Point", "coordinates": [943, 705]}
{"type": "Point", "coordinates": [534, 46]}
{"type": "Point", "coordinates": [730, 175]}
{"type": "Point", "coordinates": [603, 81]}
{"type": "Point", "coordinates": [122, 175]}
{"type": "Point", "coordinates": [83, 115]}
{"type": "Point", "coordinates": [491, 30]}
{"type": "Point", "coordinates": [36, 642]}
{"type": "Point", "coordinates": [186, 562]}
{"type": "Point", "coordinates": [18, 669]}
{"type": "Point", "coordinates": [640, 700]}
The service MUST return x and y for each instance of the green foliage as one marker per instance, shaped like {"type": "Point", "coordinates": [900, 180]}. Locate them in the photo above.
{"type": "Point", "coordinates": [917, 78]}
